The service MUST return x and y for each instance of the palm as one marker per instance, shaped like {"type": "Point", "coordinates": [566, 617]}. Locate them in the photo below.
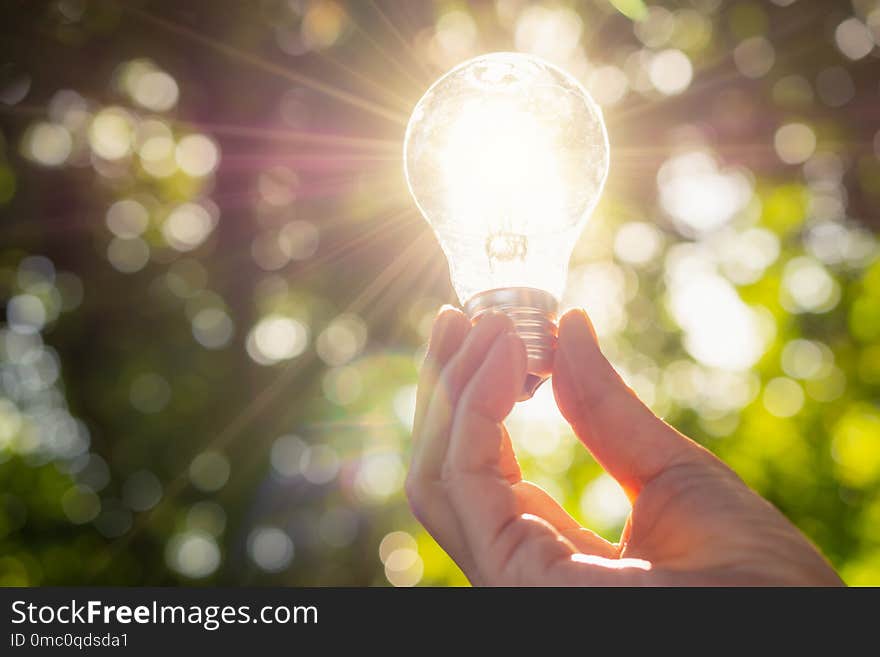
{"type": "Point", "coordinates": [703, 521]}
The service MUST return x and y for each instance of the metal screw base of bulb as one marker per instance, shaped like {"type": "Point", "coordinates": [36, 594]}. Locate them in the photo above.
{"type": "Point", "coordinates": [533, 313]}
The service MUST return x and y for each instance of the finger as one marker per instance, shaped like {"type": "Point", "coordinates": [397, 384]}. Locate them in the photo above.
{"type": "Point", "coordinates": [430, 449]}
{"type": "Point", "coordinates": [450, 329]}
{"type": "Point", "coordinates": [485, 401]}
{"type": "Point", "coordinates": [426, 492]}
{"type": "Point", "coordinates": [589, 542]}
{"type": "Point", "coordinates": [507, 545]}
{"type": "Point", "coordinates": [533, 499]}
{"type": "Point", "coordinates": [627, 439]}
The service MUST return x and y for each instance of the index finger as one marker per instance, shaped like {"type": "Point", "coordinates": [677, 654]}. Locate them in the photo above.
{"type": "Point", "coordinates": [508, 546]}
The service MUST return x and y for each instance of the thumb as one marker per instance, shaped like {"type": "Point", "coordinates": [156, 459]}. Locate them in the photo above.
{"type": "Point", "coordinates": [623, 434]}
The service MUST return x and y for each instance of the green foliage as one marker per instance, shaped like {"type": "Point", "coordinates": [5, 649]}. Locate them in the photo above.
{"type": "Point", "coordinates": [217, 290]}
{"type": "Point", "coordinates": [634, 9]}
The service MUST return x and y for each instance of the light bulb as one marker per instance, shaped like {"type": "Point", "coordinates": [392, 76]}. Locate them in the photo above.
{"type": "Point", "coordinates": [506, 156]}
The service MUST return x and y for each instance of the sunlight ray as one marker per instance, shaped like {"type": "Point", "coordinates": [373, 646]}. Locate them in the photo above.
{"type": "Point", "coordinates": [362, 241]}
{"type": "Point", "coordinates": [413, 56]}
{"type": "Point", "coordinates": [229, 266]}
{"type": "Point", "coordinates": [252, 410]}
{"type": "Point", "coordinates": [302, 158]}
{"type": "Point", "coordinates": [386, 278]}
{"type": "Point", "coordinates": [432, 266]}
{"type": "Point", "coordinates": [403, 102]}
{"type": "Point", "coordinates": [387, 56]}
{"type": "Point", "coordinates": [295, 136]}
{"type": "Point", "coordinates": [374, 298]}
{"type": "Point", "coordinates": [275, 69]}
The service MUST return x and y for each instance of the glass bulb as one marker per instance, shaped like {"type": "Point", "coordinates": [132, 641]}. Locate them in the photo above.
{"type": "Point", "coordinates": [506, 156]}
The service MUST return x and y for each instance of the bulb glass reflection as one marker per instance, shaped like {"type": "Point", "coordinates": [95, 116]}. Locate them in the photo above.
{"type": "Point", "coordinates": [506, 156]}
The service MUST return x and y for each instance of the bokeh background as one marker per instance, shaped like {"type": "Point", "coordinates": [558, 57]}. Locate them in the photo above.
{"type": "Point", "coordinates": [217, 291]}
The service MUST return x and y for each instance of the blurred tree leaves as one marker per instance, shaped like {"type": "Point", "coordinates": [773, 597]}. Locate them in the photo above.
{"type": "Point", "coordinates": [634, 9]}
{"type": "Point", "coordinates": [173, 392]}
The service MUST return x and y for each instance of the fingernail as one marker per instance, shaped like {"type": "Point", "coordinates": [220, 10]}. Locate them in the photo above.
{"type": "Point", "coordinates": [444, 313]}
{"type": "Point", "coordinates": [441, 322]}
{"type": "Point", "coordinates": [492, 316]}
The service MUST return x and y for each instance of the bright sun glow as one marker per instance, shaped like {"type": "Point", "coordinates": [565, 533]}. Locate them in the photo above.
{"type": "Point", "coordinates": [501, 169]}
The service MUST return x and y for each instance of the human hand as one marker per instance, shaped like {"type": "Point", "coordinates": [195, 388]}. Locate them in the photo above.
{"type": "Point", "coordinates": [693, 522]}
